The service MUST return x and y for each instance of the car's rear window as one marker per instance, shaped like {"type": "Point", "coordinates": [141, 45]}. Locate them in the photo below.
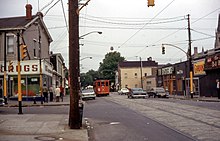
{"type": "Point", "coordinates": [87, 91]}
{"type": "Point", "coordinates": [160, 89]}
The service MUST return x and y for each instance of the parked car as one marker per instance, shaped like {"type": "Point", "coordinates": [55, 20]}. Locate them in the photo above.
{"type": "Point", "coordinates": [2, 102]}
{"type": "Point", "coordinates": [158, 92]}
{"type": "Point", "coordinates": [88, 94]}
{"type": "Point", "coordinates": [137, 92]}
{"type": "Point", "coordinates": [123, 91]}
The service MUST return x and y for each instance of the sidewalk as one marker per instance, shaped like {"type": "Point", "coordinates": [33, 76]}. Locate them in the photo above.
{"type": "Point", "coordinates": [14, 103]}
{"type": "Point", "coordinates": [39, 127]}
{"type": "Point", "coordinates": [195, 98]}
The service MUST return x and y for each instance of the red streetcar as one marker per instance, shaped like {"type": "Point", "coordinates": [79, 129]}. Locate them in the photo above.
{"type": "Point", "coordinates": [101, 87]}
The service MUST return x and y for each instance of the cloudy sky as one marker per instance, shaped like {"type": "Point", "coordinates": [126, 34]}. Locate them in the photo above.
{"type": "Point", "coordinates": [129, 26]}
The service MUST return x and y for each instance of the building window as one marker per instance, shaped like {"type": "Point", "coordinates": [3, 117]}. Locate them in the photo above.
{"type": "Point", "coordinates": [10, 44]}
{"type": "Point", "coordinates": [145, 74]}
{"type": "Point", "coordinates": [135, 75]}
{"type": "Point", "coordinates": [148, 82]}
{"type": "Point", "coordinates": [126, 75]}
{"type": "Point", "coordinates": [136, 86]}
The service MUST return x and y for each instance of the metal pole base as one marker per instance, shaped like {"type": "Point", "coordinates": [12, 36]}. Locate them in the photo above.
{"type": "Point", "coordinates": [191, 95]}
{"type": "Point", "coordinates": [19, 108]}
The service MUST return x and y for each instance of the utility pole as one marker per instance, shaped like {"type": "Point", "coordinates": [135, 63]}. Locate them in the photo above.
{"type": "Point", "coordinates": [190, 58]}
{"type": "Point", "coordinates": [40, 64]}
{"type": "Point", "coordinates": [74, 115]}
{"type": "Point", "coordinates": [5, 81]}
{"type": "Point", "coordinates": [19, 76]}
{"type": "Point", "coordinates": [141, 66]}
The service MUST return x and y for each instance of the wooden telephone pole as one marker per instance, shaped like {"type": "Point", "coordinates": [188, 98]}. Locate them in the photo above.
{"type": "Point", "coordinates": [190, 59]}
{"type": "Point", "coordinates": [74, 115]}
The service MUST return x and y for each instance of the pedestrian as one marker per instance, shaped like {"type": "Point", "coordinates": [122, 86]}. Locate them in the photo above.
{"type": "Point", "coordinates": [45, 93]}
{"type": "Point", "coordinates": [61, 92]}
{"type": "Point", "coordinates": [1, 93]}
{"type": "Point", "coordinates": [218, 87]}
{"type": "Point", "coordinates": [51, 91]}
{"type": "Point", "coordinates": [57, 93]}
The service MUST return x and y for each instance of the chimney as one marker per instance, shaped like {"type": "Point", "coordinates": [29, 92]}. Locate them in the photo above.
{"type": "Point", "coordinates": [28, 12]}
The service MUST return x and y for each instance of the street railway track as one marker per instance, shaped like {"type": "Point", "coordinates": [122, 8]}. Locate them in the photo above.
{"type": "Point", "coordinates": [202, 123]}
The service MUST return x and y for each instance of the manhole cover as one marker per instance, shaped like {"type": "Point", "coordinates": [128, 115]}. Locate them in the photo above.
{"type": "Point", "coordinates": [46, 138]}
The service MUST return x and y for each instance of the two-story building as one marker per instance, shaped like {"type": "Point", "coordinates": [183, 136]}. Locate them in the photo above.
{"type": "Point", "coordinates": [29, 30]}
{"type": "Point", "coordinates": [137, 74]}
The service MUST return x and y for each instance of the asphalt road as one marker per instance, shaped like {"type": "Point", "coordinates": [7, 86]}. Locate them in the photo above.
{"type": "Point", "coordinates": [112, 122]}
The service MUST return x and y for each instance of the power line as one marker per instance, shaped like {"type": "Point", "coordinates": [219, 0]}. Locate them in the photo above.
{"type": "Point", "coordinates": [137, 23]}
{"type": "Point", "coordinates": [46, 5]}
{"type": "Point", "coordinates": [186, 26]}
{"type": "Point", "coordinates": [146, 24]}
{"type": "Point", "coordinates": [183, 27]}
{"type": "Point", "coordinates": [51, 7]}
{"type": "Point", "coordinates": [64, 15]}
{"type": "Point", "coordinates": [202, 33]}
{"type": "Point", "coordinates": [132, 28]}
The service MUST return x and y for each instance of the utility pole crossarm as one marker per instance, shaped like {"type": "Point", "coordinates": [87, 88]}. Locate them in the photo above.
{"type": "Point", "coordinates": [78, 10]}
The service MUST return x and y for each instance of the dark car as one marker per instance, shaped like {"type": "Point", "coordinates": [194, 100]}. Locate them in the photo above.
{"type": "Point", "coordinates": [158, 92]}
{"type": "Point", "coordinates": [136, 93]}
{"type": "Point", "coordinates": [2, 102]}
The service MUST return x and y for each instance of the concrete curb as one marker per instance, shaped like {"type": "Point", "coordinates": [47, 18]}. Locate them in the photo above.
{"type": "Point", "coordinates": [197, 99]}
{"type": "Point", "coordinates": [37, 105]}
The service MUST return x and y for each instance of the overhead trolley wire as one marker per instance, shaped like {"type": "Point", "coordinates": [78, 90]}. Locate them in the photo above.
{"type": "Point", "coordinates": [146, 24]}
{"type": "Point", "coordinates": [179, 29]}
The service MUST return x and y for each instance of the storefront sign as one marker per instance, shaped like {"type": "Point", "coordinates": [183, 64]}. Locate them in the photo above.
{"type": "Point", "coordinates": [199, 67]}
{"type": "Point", "coordinates": [27, 67]}
{"type": "Point", "coordinates": [168, 70]}
{"type": "Point", "coordinates": [212, 62]}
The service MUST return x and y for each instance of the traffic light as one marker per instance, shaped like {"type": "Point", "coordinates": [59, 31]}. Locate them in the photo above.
{"type": "Point", "coordinates": [23, 51]}
{"type": "Point", "coordinates": [10, 66]}
{"type": "Point", "coordinates": [163, 50]}
{"type": "Point", "coordinates": [150, 3]}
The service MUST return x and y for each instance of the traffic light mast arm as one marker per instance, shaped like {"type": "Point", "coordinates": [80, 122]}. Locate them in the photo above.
{"type": "Point", "coordinates": [176, 47]}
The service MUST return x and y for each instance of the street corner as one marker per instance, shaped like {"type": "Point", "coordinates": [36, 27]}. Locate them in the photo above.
{"type": "Point", "coordinates": [74, 134]}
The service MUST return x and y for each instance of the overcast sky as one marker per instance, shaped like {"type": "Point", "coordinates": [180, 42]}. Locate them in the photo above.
{"type": "Point", "coordinates": [129, 26]}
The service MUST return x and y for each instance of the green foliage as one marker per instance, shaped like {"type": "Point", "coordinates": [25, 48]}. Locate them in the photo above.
{"type": "Point", "coordinates": [88, 78]}
{"type": "Point", "coordinates": [106, 70]}
{"type": "Point", "coordinates": [110, 65]}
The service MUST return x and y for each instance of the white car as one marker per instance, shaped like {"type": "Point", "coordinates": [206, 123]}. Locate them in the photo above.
{"type": "Point", "coordinates": [88, 94]}
{"type": "Point", "coordinates": [123, 91]}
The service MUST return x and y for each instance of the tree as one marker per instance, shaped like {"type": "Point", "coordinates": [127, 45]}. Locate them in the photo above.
{"type": "Point", "coordinates": [110, 65]}
{"type": "Point", "coordinates": [88, 78]}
